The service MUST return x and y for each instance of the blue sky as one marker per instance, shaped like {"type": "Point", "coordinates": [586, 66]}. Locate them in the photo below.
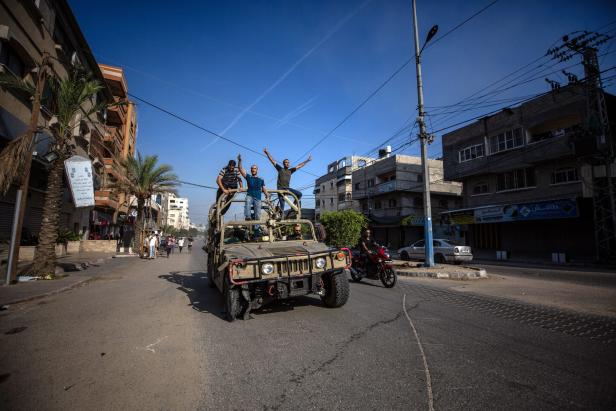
{"type": "Point", "coordinates": [284, 73]}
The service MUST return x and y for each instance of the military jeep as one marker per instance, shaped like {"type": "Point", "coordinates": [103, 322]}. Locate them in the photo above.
{"type": "Point", "coordinates": [253, 263]}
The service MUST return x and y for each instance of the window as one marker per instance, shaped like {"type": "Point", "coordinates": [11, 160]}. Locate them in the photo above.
{"type": "Point", "coordinates": [564, 175]}
{"type": "Point", "coordinates": [371, 182]}
{"type": "Point", "coordinates": [341, 197]}
{"type": "Point", "coordinates": [392, 178]}
{"type": "Point", "coordinates": [480, 188]}
{"type": "Point", "coordinates": [417, 202]}
{"type": "Point", "coordinates": [331, 201]}
{"type": "Point", "coordinates": [516, 179]}
{"type": "Point", "coordinates": [442, 203]}
{"type": "Point", "coordinates": [361, 163]}
{"type": "Point", "coordinates": [323, 187]}
{"type": "Point", "coordinates": [392, 203]}
{"type": "Point", "coordinates": [508, 140]}
{"type": "Point", "coordinates": [419, 178]}
{"type": "Point", "coordinates": [471, 153]}
{"type": "Point", "coordinates": [377, 205]}
{"type": "Point", "coordinates": [419, 243]}
{"type": "Point", "coordinates": [11, 60]}
{"type": "Point", "coordinates": [331, 184]}
{"type": "Point", "coordinates": [341, 163]}
{"type": "Point", "coordinates": [356, 186]}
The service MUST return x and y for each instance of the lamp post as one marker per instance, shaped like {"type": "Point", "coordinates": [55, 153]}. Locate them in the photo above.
{"type": "Point", "coordinates": [423, 136]}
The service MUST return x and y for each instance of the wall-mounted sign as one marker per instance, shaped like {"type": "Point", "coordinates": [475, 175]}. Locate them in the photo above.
{"type": "Point", "coordinates": [79, 173]}
{"type": "Point", "coordinates": [541, 210]}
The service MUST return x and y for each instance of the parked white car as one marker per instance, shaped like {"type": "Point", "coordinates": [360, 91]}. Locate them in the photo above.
{"type": "Point", "coordinates": [444, 252]}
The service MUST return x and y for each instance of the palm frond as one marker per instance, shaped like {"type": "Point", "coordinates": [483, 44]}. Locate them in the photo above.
{"type": "Point", "coordinates": [12, 159]}
{"type": "Point", "coordinates": [9, 81]}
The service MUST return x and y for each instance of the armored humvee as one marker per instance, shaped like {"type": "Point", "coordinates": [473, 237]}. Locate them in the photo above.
{"type": "Point", "coordinates": [253, 263]}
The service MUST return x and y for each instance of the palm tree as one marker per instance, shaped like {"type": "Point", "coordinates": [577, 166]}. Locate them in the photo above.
{"type": "Point", "coordinates": [143, 178]}
{"type": "Point", "coordinates": [69, 97]}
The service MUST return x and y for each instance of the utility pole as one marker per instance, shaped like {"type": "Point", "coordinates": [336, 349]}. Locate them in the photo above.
{"type": "Point", "coordinates": [22, 192]}
{"type": "Point", "coordinates": [601, 162]}
{"type": "Point", "coordinates": [423, 136]}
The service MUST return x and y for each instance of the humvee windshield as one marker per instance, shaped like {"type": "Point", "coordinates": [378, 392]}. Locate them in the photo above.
{"type": "Point", "coordinates": [258, 232]}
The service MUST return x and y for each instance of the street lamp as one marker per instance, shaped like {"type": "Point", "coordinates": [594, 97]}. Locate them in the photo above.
{"type": "Point", "coordinates": [423, 136]}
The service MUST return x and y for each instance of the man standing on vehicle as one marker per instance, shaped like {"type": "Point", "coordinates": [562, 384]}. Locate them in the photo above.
{"type": "Point", "coordinates": [284, 176]}
{"type": "Point", "coordinates": [255, 186]}
{"type": "Point", "coordinates": [228, 179]}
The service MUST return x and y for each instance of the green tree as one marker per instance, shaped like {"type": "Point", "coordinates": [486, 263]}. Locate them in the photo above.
{"type": "Point", "coordinates": [143, 178]}
{"type": "Point", "coordinates": [343, 227]}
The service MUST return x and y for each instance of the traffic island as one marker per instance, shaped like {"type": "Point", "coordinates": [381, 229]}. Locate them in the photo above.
{"type": "Point", "coordinates": [440, 271]}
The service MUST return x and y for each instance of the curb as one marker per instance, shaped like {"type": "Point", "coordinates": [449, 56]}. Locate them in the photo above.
{"type": "Point", "coordinates": [479, 273]}
{"type": "Point", "coordinates": [69, 287]}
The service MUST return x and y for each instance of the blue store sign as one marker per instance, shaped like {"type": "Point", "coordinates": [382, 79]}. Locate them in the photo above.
{"type": "Point", "coordinates": [541, 210]}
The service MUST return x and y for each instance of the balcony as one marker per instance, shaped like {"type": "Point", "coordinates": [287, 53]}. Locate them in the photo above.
{"type": "Point", "coordinates": [106, 198]}
{"type": "Point", "coordinates": [113, 167]}
{"type": "Point", "coordinates": [116, 115]}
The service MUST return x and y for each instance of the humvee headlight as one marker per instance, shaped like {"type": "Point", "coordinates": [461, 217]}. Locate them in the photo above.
{"type": "Point", "coordinates": [320, 262]}
{"type": "Point", "coordinates": [267, 268]}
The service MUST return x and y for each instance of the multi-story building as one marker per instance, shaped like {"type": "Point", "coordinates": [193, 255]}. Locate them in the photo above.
{"type": "Point", "coordinates": [109, 148]}
{"type": "Point", "coordinates": [177, 211]}
{"type": "Point", "coordinates": [530, 189]}
{"type": "Point", "coordinates": [390, 193]}
{"type": "Point", "coordinates": [27, 30]}
{"type": "Point", "coordinates": [333, 191]}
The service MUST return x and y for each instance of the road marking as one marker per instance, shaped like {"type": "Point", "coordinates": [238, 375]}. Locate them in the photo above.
{"type": "Point", "coordinates": [423, 356]}
{"type": "Point", "coordinates": [149, 347]}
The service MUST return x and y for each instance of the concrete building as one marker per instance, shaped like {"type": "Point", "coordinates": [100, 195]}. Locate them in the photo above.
{"type": "Point", "coordinates": [177, 211]}
{"type": "Point", "coordinates": [108, 151]}
{"type": "Point", "coordinates": [390, 193]}
{"type": "Point", "coordinates": [334, 191]}
{"type": "Point", "coordinates": [528, 183]}
{"type": "Point", "coordinates": [27, 29]}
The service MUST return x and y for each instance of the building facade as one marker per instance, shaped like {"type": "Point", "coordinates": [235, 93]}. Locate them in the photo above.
{"type": "Point", "coordinates": [529, 186]}
{"type": "Point", "coordinates": [27, 30]}
{"type": "Point", "coordinates": [334, 191]}
{"type": "Point", "coordinates": [389, 192]}
{"type": "Point", "coordinates": [176, 211]}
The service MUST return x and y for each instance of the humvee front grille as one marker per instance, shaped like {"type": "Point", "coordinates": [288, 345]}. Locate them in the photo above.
{"type": "Point", "coordinates": [293, 267]}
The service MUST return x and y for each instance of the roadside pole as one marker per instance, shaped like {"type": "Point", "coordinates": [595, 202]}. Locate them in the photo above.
{"type": "Point", "coordinates": [423, 136]}
{"type": "Point", "coordinates": [22, 192]}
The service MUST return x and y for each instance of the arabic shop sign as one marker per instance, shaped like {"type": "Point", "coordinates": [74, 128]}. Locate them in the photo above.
{"type": "Point", "coordinates": [542, 210]}
{"type": "Point", "coordinates": [79, 172]}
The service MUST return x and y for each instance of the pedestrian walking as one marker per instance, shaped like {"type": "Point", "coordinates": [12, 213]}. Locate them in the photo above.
{"type": "Point", "coordinates": [284, 176]}
{"type": "Point", "coordinates": [255, 186]}
{"type": "Point", "coordinates": [228, 179]}
{"type": "Point", "coordinates": [146, 245]}
{"type": "Point", "coordinates": [168, 246]}
{"type": "Point", "coordinates": [152, 246]}
{"type": "Point", "coordinates": [181, 244]}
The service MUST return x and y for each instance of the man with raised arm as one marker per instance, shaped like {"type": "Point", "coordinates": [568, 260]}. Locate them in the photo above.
{"type": "Point", "coordinates": [228, 179]}
{"type": "Point", "coordinates": [284, 175]}
{"type": "Point", "coordinates": [254, 187]}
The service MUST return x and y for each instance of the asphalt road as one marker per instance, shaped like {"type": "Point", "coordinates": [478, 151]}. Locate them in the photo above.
{"type": "Point", "coordinates": [150, 335]}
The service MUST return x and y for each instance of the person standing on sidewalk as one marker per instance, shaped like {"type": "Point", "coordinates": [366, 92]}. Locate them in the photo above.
{"type": "Point", "coordinates": [168, 246]}
{"type": "Point", "coordinates": [181, 244]}
{"type": "Point", "coordinates": [255, 186]}
{"type": "Point", "coordinates": [228, 179]}
{"type": "Point", "coordinates": [284, 176]}
{"type": "Point", "coordinates": [152, 246]}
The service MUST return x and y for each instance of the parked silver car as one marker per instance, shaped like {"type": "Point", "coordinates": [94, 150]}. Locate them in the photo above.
{"type": "Point", "coordinates": [444, 252]}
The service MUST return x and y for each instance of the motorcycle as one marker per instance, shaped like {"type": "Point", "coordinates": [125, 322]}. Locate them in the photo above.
{"type": "Point", "coordinates": [379, 267]}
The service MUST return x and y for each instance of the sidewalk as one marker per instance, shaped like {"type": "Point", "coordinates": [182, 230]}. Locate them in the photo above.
{"type": "Point", "coordinates": [79, 269]}
{"type": "Point", "coordinates": [440, 271]}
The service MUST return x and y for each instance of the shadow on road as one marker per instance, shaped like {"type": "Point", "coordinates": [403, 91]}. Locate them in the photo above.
{"type": "Point", "coordinates": [202, 298]}
{"type": "Point", "coordinates": [208, 300]}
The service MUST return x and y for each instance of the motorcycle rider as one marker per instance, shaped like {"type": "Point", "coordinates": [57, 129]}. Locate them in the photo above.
{"type": "Point", "coordinates": [367, 245]}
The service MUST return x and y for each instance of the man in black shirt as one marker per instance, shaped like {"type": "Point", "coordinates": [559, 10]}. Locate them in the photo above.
{"type": "Point", "coordinates": [228, 179]}
{"type": "Point", "coordinates": [366, 247]}
{"type": "Point", "coordinates": [284, 176]}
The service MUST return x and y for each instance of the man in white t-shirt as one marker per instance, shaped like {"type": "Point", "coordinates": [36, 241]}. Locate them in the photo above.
{"type": "Point", "coordinates": [152, 246]}
{"type": "Point", "coordinates": [181, 244]}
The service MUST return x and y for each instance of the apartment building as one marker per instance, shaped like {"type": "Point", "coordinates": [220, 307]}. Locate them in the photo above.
{"type": "Point", "coordinates": [27, 30]}
{"type": "Point", "coordinates": [389, 192]}
{"type": "Point", "coordinates": [334, 191]}
{"type": "Point", "coordinates": [530, 179]}
{"type": "Point", "coordinates": [177, 211]}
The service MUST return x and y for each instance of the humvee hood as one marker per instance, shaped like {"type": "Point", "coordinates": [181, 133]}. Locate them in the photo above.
{"type": "Point", "coordinates": [264, 250]}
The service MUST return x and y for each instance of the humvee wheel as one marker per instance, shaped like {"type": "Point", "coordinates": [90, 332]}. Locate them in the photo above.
{"type": "Point", "coordinates": [210, 272]}
{"type": "Point", "coordinates": [336, 289]}
{"type": "Point", "coordinates": [232, 301]}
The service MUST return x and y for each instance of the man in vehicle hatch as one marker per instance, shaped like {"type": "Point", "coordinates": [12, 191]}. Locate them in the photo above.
{"type": "Point", "coordinates": [284, 176]}
{"type": "Point", "coordinates": [297, 233]}
{"type": "Point", "coordinates": [228, 179]}
{"type": "Point", "coordinates": [255, 186]}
